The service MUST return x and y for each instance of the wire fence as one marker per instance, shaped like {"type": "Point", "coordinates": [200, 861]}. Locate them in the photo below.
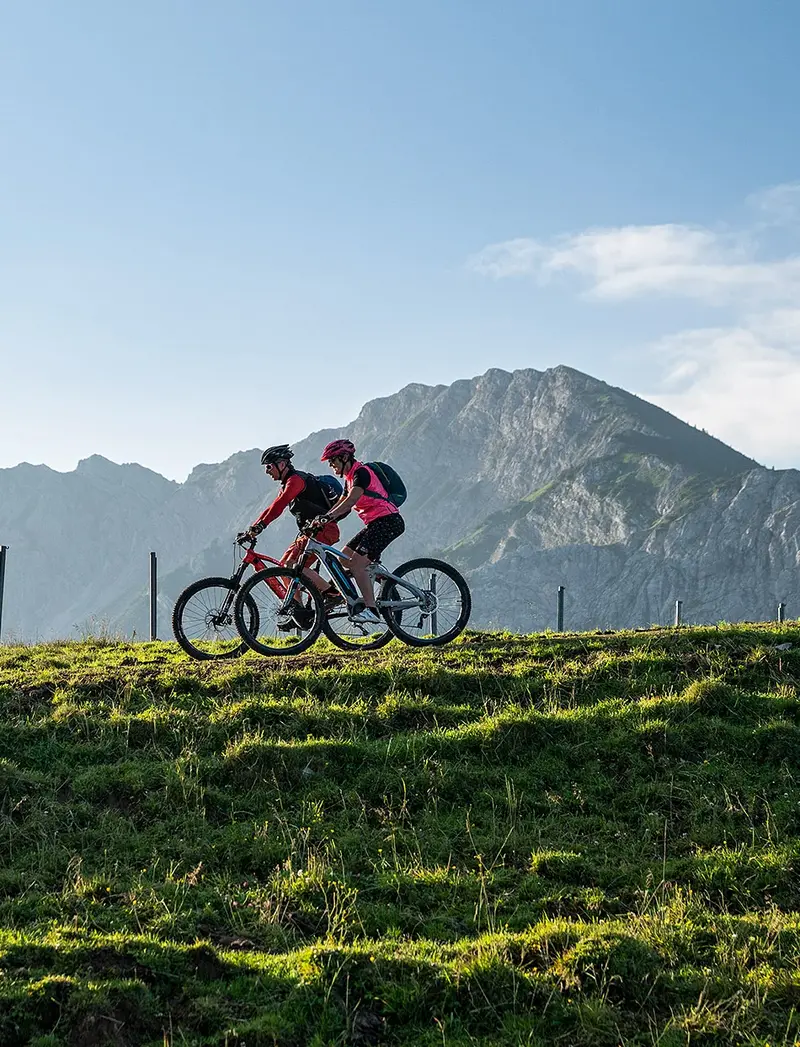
{"type": "Point", "coordinates": [152, 591]}
{"type": "Point", "coordinates": [780, 615]}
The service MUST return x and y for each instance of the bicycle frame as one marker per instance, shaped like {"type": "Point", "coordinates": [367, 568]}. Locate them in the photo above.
{"type": "Point", "coordinates": [258, 561]}
{"type": "Point", "coordinates": [330, 558]}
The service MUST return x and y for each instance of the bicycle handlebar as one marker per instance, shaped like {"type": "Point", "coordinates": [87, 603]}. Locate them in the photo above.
{"type": "Point", "coordinates": [310, 529]}
{"type": "Point", "coordinates": [245, 538]}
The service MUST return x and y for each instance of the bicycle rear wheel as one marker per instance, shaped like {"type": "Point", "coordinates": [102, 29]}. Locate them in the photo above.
{"type": "Point", "coordinates": [289, 612]}
{"type": "Point", "coordinates": [439, 615]}
{"type": "Point", "coordinates": [203, 620]}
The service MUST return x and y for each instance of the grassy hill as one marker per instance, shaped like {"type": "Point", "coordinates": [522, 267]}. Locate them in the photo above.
{"type": "Point", "coordinates": [588, 839]}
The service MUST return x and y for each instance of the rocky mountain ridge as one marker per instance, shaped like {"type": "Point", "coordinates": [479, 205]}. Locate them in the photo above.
{"type": "Point", "coordinates": [526, 479]}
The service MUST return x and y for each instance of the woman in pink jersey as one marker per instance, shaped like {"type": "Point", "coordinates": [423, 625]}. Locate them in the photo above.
{"type": "Point", "coordinates": [364, 493]}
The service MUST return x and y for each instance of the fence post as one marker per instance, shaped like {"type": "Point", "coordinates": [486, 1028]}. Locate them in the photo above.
{"type": "Point", "coordinates": [153, 596]}
{"type": "Point", "coordinates": [560, 610]}
{"type": "Point", "coordinates": [3, 549]}
{"type": "Point", "coordinates": [678, 608]}
{"type": "Point", "coordinates": [781, 610]}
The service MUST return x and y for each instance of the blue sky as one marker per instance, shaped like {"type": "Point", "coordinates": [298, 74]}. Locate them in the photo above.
{"type": "Point", "coordinates": [223, 226]}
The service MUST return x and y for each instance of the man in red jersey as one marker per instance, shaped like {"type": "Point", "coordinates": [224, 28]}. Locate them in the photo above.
{"type": "Point", "coordinates": [302, 494]}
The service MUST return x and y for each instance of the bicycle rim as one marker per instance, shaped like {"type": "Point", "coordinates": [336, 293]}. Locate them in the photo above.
{"type": "Point", "coordinates": [442, 612]}
{"type": "Point", "coordinates": [202, 624]}
{"type": "Point", "coordinates": [271, 592]}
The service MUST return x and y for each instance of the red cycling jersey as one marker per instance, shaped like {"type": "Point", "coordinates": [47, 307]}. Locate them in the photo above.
{"type": "Point", "coordinates": [329, 535]}
{"type": "Point", "coordinates": [292, 489]}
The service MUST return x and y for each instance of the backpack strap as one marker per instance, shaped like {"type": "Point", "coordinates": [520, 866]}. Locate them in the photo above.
{"type": "Point", "coordinates": [375, 494]}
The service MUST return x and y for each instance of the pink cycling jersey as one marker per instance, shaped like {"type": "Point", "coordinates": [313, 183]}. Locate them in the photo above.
{"type": "Point", "coordinates": [368, 508]}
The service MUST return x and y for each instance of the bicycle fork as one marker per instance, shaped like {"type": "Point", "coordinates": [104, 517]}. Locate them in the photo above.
{"type": "Point", "coordinates": [283, 594]}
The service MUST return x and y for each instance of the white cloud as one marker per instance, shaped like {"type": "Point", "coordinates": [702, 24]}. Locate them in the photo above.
{"type": "Point", "coordinates": [657, 260]}
{"type": "Point", "coordinates": [520, 257]}
{"type": "Point", "coordinates": [671, 259]}
{"type": "Point", "coordinates": [780, 327]}
{"type": "Point", "coordinates": [737, 385]}
{"type": "Point", "coordinates": [741, 381]}
{"type": "Point", "coordinates": [600, 253]}
{"type": "Point", "coordinates": [779, 205]}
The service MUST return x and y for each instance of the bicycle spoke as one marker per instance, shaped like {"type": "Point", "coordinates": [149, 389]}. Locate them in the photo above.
{"type": "Point", "coordinates": [288, 612]}
{"type": "Point", "coordinates": [203, 620]}
{"type": "Point", "coordinates": [342, 631]}
{"type": "Point", "coordinates": [429, 603]}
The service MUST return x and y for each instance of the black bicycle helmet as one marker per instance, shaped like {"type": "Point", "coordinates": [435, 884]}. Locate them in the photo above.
{"type": "Point", "coordinates": [278, 453]}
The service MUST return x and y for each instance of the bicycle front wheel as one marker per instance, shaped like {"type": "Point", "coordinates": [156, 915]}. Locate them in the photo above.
{"type": "Point", "coordinates": [429, 604]}
{"type": "Point", "coordinates": [289, 612]}
{"type": "Point", "coordinates": [203, 620]}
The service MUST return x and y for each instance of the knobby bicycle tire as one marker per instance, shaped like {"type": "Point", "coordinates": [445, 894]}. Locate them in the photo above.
{"type": "Point", "coordinates": [179, 630]}
{"type": "Point", "coordinates": [275, 573]}
{"type": "Point", "coordinates": [389, 592]}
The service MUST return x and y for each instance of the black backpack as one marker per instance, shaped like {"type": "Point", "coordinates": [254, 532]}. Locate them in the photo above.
{"type": "Point", "coordinates": [320, 494]}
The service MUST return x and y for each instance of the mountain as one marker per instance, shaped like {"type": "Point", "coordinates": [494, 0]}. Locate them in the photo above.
{"type": "Point", "coordinates": [74, 540]}
{"type": "Point", "coordinates": [629, 537]}
{"type": "Point", "coordinates": [527, 480]}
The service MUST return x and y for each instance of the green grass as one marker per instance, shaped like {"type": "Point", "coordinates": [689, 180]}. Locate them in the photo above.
{"type": "Point", "coordinates": [583, 839]}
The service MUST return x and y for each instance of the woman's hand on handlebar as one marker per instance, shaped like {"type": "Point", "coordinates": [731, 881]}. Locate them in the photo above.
{"type": "Point", "coordinates": [313, 526]}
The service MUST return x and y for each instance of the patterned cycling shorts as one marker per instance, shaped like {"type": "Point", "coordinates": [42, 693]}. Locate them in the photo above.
{"type": "Point", "coordinates": [374, 538]}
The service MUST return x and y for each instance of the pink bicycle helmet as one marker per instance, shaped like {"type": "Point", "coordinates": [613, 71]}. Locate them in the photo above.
{"type": "Point", "coordinates": [338, 449]}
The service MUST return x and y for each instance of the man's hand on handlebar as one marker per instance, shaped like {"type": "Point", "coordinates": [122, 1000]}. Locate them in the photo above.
{"type": "Point", "coordinates": [248, 536]}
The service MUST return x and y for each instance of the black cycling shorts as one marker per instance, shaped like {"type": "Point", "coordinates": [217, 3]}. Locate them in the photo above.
{"type": "Point", "coordinates": [374, 538]}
